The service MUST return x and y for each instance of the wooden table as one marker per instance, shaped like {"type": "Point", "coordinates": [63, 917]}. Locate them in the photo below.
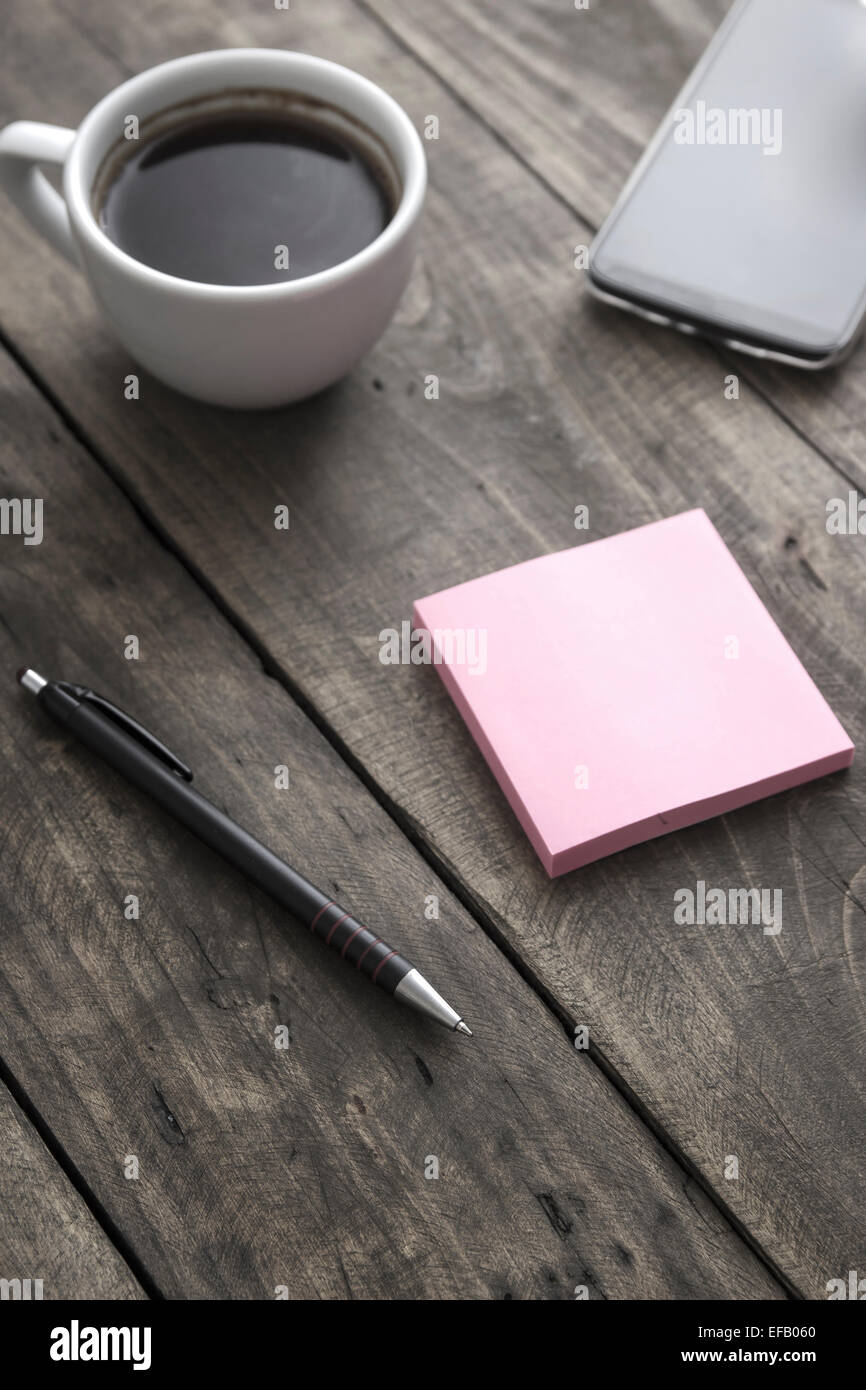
{"type": "Point", "coordinates": [148, 1046]}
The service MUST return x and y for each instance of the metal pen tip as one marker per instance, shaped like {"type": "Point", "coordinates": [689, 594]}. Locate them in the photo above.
{"type": "Point", "coordinates": [461, 1028]}
{"type": "Point", "coordinates": [31, 680]}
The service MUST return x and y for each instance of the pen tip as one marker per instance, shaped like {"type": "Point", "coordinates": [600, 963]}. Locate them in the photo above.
{"type": "Point", "coordinates": [22, 671]}
{"type": "Point", "coordinates": [31, 680]}
{"type": "Point", "coordinates": [461, 1028]}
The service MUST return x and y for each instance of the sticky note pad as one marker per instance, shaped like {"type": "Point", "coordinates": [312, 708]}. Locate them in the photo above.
{"type": "Point", "coordinates": [628, 687]}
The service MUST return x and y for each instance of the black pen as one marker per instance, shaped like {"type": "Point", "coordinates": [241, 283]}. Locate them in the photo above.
{"type": "Point", "coordinates": [128, 747]}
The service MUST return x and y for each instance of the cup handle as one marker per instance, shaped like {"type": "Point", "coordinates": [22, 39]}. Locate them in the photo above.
{"type": "Point", "coordinates": [25, 145]}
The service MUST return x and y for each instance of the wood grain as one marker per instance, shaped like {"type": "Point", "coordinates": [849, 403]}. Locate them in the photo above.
{"type": "Point", "coordinates": [577, 95]}
{"type": "Point", "coordinates": [153, 1038]}
{"type": "Point", "coordinates": [735, 1043]}
{"type": "Point", "coordinates": [46, 1230]}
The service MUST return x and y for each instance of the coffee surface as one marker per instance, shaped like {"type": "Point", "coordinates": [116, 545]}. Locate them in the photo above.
{"type": "Point", "coordinates": [245, 198]}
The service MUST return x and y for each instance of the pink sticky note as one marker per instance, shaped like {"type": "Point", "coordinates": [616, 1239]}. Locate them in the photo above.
{"type": "Point", "coordinates": [628, 687]}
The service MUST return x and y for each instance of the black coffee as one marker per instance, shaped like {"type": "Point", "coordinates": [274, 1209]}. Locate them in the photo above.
{"type": "Point", "coordinates": [245, 198]}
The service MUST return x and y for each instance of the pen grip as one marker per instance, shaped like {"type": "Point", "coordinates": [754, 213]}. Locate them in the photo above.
{"type": "Point", "coordinates": [359, 946]}
{"type": "Point", "coordinates": [340, 931]}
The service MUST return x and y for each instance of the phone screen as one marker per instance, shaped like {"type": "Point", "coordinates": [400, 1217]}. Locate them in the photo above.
{"type": "Point", "coordinates": [749, 211]}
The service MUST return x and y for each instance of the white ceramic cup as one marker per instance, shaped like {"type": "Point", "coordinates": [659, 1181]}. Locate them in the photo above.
{"type": "Point", "coordinates": [248, 346]}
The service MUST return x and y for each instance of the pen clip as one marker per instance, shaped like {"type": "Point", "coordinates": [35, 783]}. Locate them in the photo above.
{"type": "Point", "coordinates": [130, 726]}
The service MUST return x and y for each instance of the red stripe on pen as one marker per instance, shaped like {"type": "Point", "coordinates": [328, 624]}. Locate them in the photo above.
{"type": "Point", "coordinates": [334, 928]}
{"type": "Point", "coordinates": [319, 913]}
{"type": "Point", "coordinates": [351, 939]}
{"type": "Point", "coordinates": [377, 942]}
{"type": "Point", "coordinates": [379, 966]}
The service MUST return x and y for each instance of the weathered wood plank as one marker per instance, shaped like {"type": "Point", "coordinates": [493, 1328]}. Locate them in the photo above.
{"type": "Point", "coordinates": [544, 404]}
{"type": "Point", "coordinates": [154, 1038]}
{"type": "Point", "coordinates": [578, 94]}
{"type": "Point", "coordinates": [46, 1231]}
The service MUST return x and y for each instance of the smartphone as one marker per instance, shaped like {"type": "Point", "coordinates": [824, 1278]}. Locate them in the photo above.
{"type": "Point", "coordinates": [746, 218]}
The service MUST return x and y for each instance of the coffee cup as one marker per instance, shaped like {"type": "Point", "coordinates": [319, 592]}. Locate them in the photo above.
{"type": "Point", "coordinates": [238, 345]}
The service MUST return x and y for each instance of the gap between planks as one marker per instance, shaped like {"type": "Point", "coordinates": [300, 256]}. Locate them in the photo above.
{"type": "Point", "coordinates": [457, 95]}
{"type": "Point", "coordinates": [79, 1183]}
{"type": "Point", "coordinates": [274, 671]}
